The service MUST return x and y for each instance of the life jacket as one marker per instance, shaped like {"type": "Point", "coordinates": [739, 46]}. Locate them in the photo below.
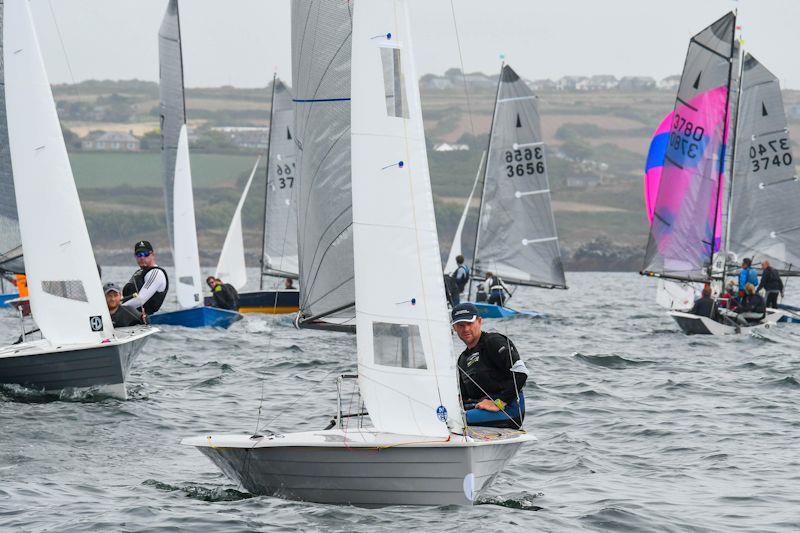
{"type": "Point", "coordinates": [137, 282]}
{"type": "Point", "coordinates": [461, 283]}
{"type": "Point", "coordinates": [496, 285]}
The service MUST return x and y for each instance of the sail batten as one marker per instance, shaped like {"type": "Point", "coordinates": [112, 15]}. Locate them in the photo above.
{"type": "Point", "coordinates": [321, 58]}
{"type": "Point", "coordinates": [517, 237]}
{"type": "Point", "coordinates": [686, 226]}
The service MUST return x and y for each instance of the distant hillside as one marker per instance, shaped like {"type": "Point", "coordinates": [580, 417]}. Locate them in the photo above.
{"type": "Point", "coordinates": [597, 142]}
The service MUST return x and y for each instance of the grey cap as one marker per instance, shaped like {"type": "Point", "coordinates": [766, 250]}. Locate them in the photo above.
{"type": "Point", "coordinates": [111, 286]}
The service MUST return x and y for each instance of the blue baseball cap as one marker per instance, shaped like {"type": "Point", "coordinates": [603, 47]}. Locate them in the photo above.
{"type": "Point", "coordinates": [465, 312]}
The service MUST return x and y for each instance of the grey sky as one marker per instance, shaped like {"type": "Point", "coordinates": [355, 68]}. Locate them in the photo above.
{"type": "Point", "coordinates": [240, 42]}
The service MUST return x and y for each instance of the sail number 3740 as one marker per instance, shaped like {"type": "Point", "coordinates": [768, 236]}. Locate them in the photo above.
{"type": "Point", "coordinates": [526, 161]}
{"type": "Point", "coordinates": [774, 153]}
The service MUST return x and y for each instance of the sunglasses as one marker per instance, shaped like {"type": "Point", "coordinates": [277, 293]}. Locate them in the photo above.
{"type": "Point", "coordinates": [143, 254]}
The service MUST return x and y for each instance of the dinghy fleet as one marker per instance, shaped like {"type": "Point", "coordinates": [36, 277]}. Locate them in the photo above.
{"type": "Point", "coordinates": [348, 188]}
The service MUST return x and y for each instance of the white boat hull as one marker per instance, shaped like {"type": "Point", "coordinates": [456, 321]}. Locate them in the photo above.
{"type": "Point", "coordinates": [103, 367]}
{"type": "Point", "coordinates": [364, 468]}
{"type": "Point", "coordinates": [703, 325]}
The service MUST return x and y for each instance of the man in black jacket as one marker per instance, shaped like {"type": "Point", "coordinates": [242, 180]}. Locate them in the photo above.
{"type": "Point", "coordinates": [771, 283]}
{"type": "Point", "coordinates": [705, 305]}
{"type": "Point", "coordinates": [491, 373]}
{"type": "Point", "coordinates": [121, 316]}
{"type": "Point", "coordinates": [225, 295]}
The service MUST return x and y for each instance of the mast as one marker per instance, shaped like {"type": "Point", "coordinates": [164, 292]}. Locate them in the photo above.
{"type": "Point", "coordinates": [266, 185]}
{"type": "Point", "coordinates": [721, 181]}
{"type": "Point", "coordinates": [734, 142]}
{"type": "Point", "coordinates": [483, 187]}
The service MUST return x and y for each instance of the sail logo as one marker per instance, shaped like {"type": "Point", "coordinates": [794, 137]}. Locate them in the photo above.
{"type": "Point", "coordinates": [96, 323]}
{"type": "Point", "coordinates": [441, 413]}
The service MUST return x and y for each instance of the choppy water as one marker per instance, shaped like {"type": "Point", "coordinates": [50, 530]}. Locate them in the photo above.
{"type": "Point", "coordinates": [639, 427]}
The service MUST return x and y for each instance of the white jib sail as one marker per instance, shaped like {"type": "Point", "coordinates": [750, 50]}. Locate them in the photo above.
{"type": "Point", "coordinates": [455, 248]}
{"type": "Point", "coordinates": [65, 293]}
{"type": "Point", "coordinates": [187, 258]}
{"type": "Point", "coordinates": [231, 267]}
{"type": "Point", "coordinates": [406, 368]}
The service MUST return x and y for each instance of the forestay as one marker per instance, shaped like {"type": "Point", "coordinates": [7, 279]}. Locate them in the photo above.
{"type": "Point", "coordinates": [10, 240]}
{"type": "Point", "coordinates": [321, 51]}
{"type": "Point", "coordinates": [231, 267]}
{"type": "Point", "coordinates": [517, 237]}
{"type": "Point", "coordinates": [64, 287]}
{"type": "Point", "coordinates": [765, 223]}
{"type": "Point", "coordinates": [686, 228]}
{"type": "Point", "coordinates": [455, 248]}
{"type": "Point", "coordinates": [172, 109]}
{"type": "Point", "coordinates": [406, 368]}
{"type": "Point", "coordinates": [280, 214]}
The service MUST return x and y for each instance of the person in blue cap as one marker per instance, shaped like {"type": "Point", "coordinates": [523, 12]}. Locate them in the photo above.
{"type": "Point", "coordinates": [491, 373]}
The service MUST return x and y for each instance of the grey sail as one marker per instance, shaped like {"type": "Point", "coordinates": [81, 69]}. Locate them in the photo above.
{"type": "Point", "coordinates": [10, 240]}
{"type": "Point", "coordinates": [686, 228]}
{"type": "Point", "coordinates": [280, 213]}
{"type": "Point", "coordinates": [321, 51]}
{"type": "Point", "coordinates": [765, 223]}
{"type": "Point", "coordinates": [517, 237]}
{"type": "Point", "coordinates": [172, 107]}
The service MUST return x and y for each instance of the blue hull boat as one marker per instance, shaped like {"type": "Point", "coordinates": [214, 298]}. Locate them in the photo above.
{"type": "Point", "coordinates": [4, 298]}
{"type": "Point", "coordinates": [197, 317]}
{"type": "Point", "coordinates": [497, 311]}
{"type": "Point", "coordinates": [271, 302]}
{"type": "Point", "coordinates": [793, 314]}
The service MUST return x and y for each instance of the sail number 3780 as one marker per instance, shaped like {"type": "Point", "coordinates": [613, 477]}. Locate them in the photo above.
{"type": "Point", "coordinates": [524, 162]}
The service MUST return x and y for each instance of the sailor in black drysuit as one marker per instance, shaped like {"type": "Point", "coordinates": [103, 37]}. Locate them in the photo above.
{"type": "Point", "coordinates": [705, 305]}
{"type": "Point", "coordinates": [491, 373]}
{"type": "Point", "coordinates": [771, 282]}
{"type": "Point", "coordinates": [225, 295]}
{"type": "Point", "coordinates": [148, 286]}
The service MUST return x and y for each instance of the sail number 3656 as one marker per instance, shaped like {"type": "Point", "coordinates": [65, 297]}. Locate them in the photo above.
{"type": "Point", "coordinates": [524, 162]}
{"type": "Point", "coordinates": [774, 153]}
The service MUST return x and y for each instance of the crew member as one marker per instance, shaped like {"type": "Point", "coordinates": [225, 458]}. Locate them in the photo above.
{"type": "Point", "coordinates": [491, 373]}
{"type": "Point", "coordinates": [461, 274]}
{"type": "Point", "coordinates": [288, 284]}
{"type": "Point", "coordinates": [771, 282]}
{"type": "Point", "coordinates": [225, 295]}
{"type": "Point", "coordinates": [148, 286]}
{"type": "Point", "coordinates": [121, 316]}
{"type": "Point", "coordinates": [753, 307]}
{"type": "Point", "coordinates": [747, 275]}
{"type": "Point", "coordinates": [704, 306]}
{"type": "Point", "coordinates": [497, 289]}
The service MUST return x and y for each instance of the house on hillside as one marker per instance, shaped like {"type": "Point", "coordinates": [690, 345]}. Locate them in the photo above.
{"type": "Point", "coordinates": [636, 83]}
{"type": "Point", "coordinates": [601, 82]}
{"type": "Point", "coordinates": [670, 83]}
{"type": "Point", "coordinates": [447, 147]}
{"type": "Point", "coordinates": [543, 85]}
{"type": "Point", "coordinates": [111, 141]}
{"type": "Point", "coordinates": [569, 83]}
{"type": "Point", "coordinates": [248, 137]}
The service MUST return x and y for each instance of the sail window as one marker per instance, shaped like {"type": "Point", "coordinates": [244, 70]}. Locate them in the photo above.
{"type": "Point", "coordinates": [71, 289]}
{"type": "Point", "coordinates": [398, 345]}
{"type": "Point", "coordinates": [394, 83]}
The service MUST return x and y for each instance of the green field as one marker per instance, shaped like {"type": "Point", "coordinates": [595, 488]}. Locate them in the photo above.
{"type": "Point", "coordinates": [103, 170]}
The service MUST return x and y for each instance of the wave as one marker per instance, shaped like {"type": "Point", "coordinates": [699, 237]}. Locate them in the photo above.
{"type": "Point", "coordinates": [522, 501]}
{"type": "Point", "coordinates": [612, 361]}
{"type": "Point", "coordinates": [198, 492]}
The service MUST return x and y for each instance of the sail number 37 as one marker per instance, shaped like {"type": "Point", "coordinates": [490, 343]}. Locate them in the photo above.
{"type": "Point", "coordinates": [524, 162]}
{"type": "Point", "coordinates": [686, 136]}
{"type": "Point", "coordinates": [774, 153]}
{"type": "Point", "coordinates": [285, 178]}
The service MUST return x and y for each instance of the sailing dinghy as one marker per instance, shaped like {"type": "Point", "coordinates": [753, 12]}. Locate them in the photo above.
{"type": "Point", "coordinates": [79, 347]}
{"type": "Point", "coordinates": [688, 242]}
{"type": "Point", "coordinates": [178, 188]}
{"type": "Point", "coordinates": [418, 451]}
{"type": "Point", "coordinates": [279, 244]}
{"type": "Point", "coordinates": [516, 237]}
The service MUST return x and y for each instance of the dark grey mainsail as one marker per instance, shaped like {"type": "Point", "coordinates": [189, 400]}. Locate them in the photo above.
{"type": "Point", "coordinates": [321, 51]}
{"type": "Point", "coordinates": [10, 239]}
{"type": "Point", "coordinates": [686, 228]}
{"type": "Point", "coordinates": [517, 237]}
{"type": "Point", "coordinates": [173, 108]}
{"type": "Point", "coordinates": [765, 222]}
{"type": "Point", "coordinates": [280, 206]}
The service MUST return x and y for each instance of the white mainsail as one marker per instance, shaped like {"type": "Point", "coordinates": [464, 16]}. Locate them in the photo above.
{"type": "Point", "coordinates": [65, 292]}
{"type": "Point", "coordinates": [455, 248]}
{"type": "Point", "coordinates": [231, 266]}
{"type": "Point", "coordinates": [187, 257]}
{"type": "Point", "coordinates": [406, 368]}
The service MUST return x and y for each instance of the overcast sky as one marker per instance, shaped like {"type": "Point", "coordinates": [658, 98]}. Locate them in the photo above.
{"type": "Point", "coordinates": [241, 42]}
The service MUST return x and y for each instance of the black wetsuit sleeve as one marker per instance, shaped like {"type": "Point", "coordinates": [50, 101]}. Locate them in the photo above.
{"type": "Point", "coordinates": [498, 349]}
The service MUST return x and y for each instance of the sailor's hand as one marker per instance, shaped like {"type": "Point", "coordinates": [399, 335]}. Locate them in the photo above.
{"type": "Point", "coordinates": [487, 405]}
